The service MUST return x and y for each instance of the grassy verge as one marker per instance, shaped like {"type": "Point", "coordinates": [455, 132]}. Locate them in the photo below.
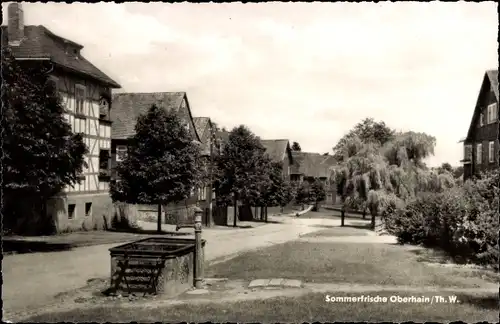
{"type": "Point", "coordinates": [357, 263]}
{"type": "Point", "coordinates": [305, 308]}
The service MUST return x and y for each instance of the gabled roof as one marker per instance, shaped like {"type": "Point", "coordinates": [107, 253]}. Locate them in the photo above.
{"type": "Point", "coordinates": [127, 107]}
{"type": "Point", "coordinates": [311, 164]}
{"type": "Point", "coordinates": [276, 149]}
{"type": "Point", "coordinates": [41, 43]}
{"type": "Point", "coordinates": [490, 80]}
{"type": "Point", "coordinates": [202, 125]}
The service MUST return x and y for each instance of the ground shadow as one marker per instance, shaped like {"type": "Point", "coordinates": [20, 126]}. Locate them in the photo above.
{"type": "Point", "coordinates": [148, 232]}
{"type": "Point", "coordinates": [485, 302]}
{"type": "Point", "coordinates": [21, 246]}
{"type": "Point", "coordinates": [238, 226]}
{"type": "Point", "coordinates": [263, 221]}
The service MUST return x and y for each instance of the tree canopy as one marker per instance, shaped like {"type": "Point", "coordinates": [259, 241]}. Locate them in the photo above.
{"type": "Point", "coordinates": [390, 173]}
{"type": "Point", "coordinates": [162, 164]}
{"type": "Point", "coordinates": [296, 147]}
{"type": "Point", "coordinates": [367, 131]}
{"type": "Point", "coordinates": [41, 153]}
{"type": "Point", "coordinates": [241, 168]}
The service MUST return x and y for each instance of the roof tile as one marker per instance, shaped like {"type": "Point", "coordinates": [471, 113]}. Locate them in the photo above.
{"type": "Point", "coordinates": [39, 42]}
{"type": "Point", "coordinates": [127, 107]}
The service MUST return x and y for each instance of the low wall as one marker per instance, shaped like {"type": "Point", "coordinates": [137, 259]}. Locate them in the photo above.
{"type": "Point", "coordinates": [169, 261]}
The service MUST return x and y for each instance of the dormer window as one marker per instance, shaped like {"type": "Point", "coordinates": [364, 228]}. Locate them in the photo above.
{"type": "Point", "coordinates": [481, 120]}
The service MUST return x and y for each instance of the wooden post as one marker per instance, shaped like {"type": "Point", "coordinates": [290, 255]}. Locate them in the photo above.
{"type": "Point", "coordinates": [198, 280]}
{"type": "Point", "coordinates": [235, 197]}
{"type": "Point", "coordinates": [158, 224]}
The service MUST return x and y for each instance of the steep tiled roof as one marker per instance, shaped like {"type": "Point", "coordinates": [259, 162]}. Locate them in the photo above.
{"type": "Point", "coordinates": [311, 164]}
{"type": "Point", "coordinates": [127, 107]}
{"type": "Point", "coordinates": [490, 79]}
{"type": "Point", "coordinates": [202, 124]}
{"type": "Point", "coordinates": [493, 77]}
{"type": "Point", "coordinates": [276, 149]}
{"type": "Point", "coordinates": [41, 43]}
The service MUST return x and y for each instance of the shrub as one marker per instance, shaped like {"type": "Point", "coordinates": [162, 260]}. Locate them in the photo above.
{"type": "Point", "coordinates": [463, 221]}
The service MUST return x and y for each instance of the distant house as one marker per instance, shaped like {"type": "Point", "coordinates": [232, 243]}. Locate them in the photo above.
{"type": "Point", "coordinates": [279, 151]}
{"type": "Point", "coordinates": [206, 133]}
{"type": "Point", "coordinates": [127, 108]}
{"type": "Point", "coordinates": [86, 94]}
{"type": "Point", "coordinates": [311, 166]}
{"type": "Point", "coordinates": [481, 146]}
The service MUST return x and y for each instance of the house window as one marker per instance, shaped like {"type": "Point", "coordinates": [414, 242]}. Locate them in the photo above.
{"type": "Point", "coordinates": [479, 153]}
{"type": "Point", "coordinates": [491, 152]}
{"type": "Point", "coordinates": [79, 98]}
{"type": "Point", "coordinates": [492, 113]}
{"type": "Point", "coordinates": [71, 211]}
{"type": "Point", "coordinates": [202, 193]}
{"type": "Point", "coordinates": [103, 160]}
{"type": "Point", "coordinates": [103, 108]}
{"type": "Point", "coordinates": [121, 152]}
{"type": "Point", "coordinates": [467, 152]}
{"type": "Point", "coordinates": [88, 209]}
{"type": "Point", "coordinates": [481, 120]}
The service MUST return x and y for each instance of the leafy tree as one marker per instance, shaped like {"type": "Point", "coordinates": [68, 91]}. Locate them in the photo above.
{"type": "Point", "coordinates": [389, 174]}
{"type": "Point", "coordinates": [367, 131]}
{"type": "Point", "coordinates": [303, 195]}
{"type": "Point", "coordinates": [162, 163]}
{"type": "Point", "coordinates": [242, 168]}
{"type": "Point", "coordinates": [41, 153]}
{"type": "Point", "coordinates": [445, 167]}
{"type": "Point", "coordinates": [318, 193]}
{"type": "Point", "coordinates": [296, 147]}
{"type": "Point", "coordinates": [278, 191]}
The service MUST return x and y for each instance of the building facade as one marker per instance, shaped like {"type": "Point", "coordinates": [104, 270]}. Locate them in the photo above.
{"type": "Point", "coordinates": [86, 95]}
{"type": "Point", "coordinates": [481, 146]}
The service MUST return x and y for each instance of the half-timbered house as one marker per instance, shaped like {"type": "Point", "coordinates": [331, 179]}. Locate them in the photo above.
{"type": "Point", "coordinates": [86, 94]}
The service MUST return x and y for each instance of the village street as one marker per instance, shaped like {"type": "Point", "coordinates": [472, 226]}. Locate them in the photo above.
{"type": "Point", "coordinates": [33, 280]}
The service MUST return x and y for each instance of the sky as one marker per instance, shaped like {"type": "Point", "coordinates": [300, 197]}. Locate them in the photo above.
{"type": "Point", "coordinates": [307, 72]}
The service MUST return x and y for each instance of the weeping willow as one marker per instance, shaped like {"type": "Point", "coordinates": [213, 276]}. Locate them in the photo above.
{"type": "Point", "coordinates": [388, 175]}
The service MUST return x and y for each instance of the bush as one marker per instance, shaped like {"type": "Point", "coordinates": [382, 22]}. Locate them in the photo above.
{"type": "Point", "coordinates": [463, 221]}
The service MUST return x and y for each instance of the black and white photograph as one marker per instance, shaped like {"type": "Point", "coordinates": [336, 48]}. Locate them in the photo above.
{"type": "Point", "coordinates": [250, 162]}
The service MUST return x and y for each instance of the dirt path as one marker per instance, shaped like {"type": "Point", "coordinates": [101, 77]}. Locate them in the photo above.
{"type": "Point", "coordinates": [32, 280]}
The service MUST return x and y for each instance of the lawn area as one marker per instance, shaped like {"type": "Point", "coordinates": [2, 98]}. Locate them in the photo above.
{"type": "Point", "coordinates": [338, 231]}
{"type": "Point", "coordinates": [358, 263]}
{"type": "Point", "coordinates": [305, 308]}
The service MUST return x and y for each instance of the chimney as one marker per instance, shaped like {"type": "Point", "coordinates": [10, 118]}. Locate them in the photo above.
{"type": "Point", "coordinates": [15, 26]}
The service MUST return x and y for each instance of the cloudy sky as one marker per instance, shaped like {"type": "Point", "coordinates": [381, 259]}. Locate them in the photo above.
{"type": "Point", "coordinates": [303, 71]}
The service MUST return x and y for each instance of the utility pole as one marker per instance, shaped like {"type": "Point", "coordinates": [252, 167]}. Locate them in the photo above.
{"type": "Point", "coordinates": [210, 221]}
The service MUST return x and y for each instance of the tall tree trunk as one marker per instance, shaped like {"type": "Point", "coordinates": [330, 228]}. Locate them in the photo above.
{"type": "Point", "coordinates": [158, 224]}
{"type": "Point", "coordinates": [256, 210]}
{"type": "Point", "coordinates": [364, 213]}
{"type": "Point", "coordinates": [373, 213]}
{"type": "Point", "coordinates": [261, 217]}
{"type": "Point", "coordinates": [342, 216]}
{"type": "Point", "coordinates": [265, 213]}
{"type": "Point", "coordinates": [235, 202]}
